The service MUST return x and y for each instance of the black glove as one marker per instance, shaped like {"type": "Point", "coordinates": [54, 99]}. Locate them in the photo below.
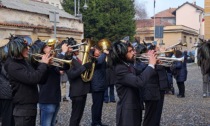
{"type": "Point", "coordinates": [88, 65]}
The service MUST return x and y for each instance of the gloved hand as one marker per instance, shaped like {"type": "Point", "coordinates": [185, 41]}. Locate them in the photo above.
{"type": "Point", "coordinates": [88, 65]}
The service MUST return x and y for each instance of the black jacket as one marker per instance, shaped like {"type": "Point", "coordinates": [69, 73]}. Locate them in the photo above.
{"type": "Point", "coordinates": [50, 90]}
{"type": "Point", "coordinates": [77, 86]}
{"type": "Point", "coordinates": [127, 86]}
{"type": "Point", "coordinates": [24, 80]}
{"type": "Point", "coordinates": [5, 87]}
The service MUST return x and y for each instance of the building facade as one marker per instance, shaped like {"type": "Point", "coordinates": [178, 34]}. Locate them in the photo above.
{"type": "Point", "coordinates": [207, 19]}
{"type": "Point", "coordinates": [31, 19]}
{"type": "Point", "coordinates": [190, 15]}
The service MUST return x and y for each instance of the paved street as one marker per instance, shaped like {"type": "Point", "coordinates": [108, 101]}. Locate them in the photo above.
{"type": "Point", "coordinates": [193, 110]}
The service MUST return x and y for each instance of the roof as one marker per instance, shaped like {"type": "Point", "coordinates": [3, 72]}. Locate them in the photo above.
{"type": "Point", "coordinates": [40, 27]}
{"type": "Point", "coordinates": [194, 5]}
{"type": "Point", "coordinates": [34, 7]}
{"type": "Point", "coordinates": [166, 13]}
{"type": "Point", "coordinates": [150, 23]}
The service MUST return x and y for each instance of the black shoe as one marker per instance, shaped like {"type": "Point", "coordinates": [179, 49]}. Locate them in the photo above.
{"type": "Point", "coordinates": [99, 125]}
{"type": "Point", "coordinates": [113, 101]}
{"type": "Point", "coordinates": [180, 96]}
{"type": "Point", "coordinates": [106, 102]}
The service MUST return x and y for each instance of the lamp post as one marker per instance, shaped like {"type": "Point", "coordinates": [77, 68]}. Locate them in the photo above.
{"type": "Point", "coordinates": [77, 8]}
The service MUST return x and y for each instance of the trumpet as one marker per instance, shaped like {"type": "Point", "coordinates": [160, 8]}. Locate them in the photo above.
{"type": "Point", "coordinates": [164, 61]}
{"type": "Point", "coordinates": [54, 61]}
{"type": "Point", "coordinates": [71, 46]}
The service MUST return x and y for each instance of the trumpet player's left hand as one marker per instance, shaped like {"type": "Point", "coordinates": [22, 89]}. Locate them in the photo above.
{"type": "Point", "coordinates": [46, 59]}
{"type": "Point", "coordinates": [152, 57]}
{"type": "Point", "coordinates": [64, 48]}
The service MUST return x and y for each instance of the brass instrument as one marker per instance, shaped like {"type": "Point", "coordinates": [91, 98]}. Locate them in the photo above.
{"type": "Point", "coordinates": [54, 61]}
{"type": "Point", "coordinates": [88, 74]}
{"type": "Point", "coordinates": [103, 44]}
{"type": "Point", "coordinates": [71, 46]}
{"type": "Point", "coordinates": [165, 61]}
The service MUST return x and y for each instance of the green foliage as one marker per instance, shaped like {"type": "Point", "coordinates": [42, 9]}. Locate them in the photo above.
{"type": "Point", "coordinates": [111, 19]}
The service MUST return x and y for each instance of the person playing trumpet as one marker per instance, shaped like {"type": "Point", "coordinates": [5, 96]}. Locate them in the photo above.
{"type": "Point", "coordinates": [24, 79]}
{"type": "Point", "coordinates": [50, 91]}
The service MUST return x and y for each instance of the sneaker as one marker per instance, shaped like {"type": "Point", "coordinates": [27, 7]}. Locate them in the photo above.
{"type": "Point", "coordinates": [204, 95]}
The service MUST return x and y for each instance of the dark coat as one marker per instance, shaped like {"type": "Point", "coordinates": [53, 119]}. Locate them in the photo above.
{"type": "Point", "coordinates": [77, 86]}
{"type": "Point", "coordinates": [24, 80]}
{"type": "Point", "coordinates": [5, 87]}
{"type": "Point", "coordinates": [151, 91]}
{"type": "Point", "coordinates": [50, 89]}
{"type": "Point", "coordinates": [163, 77]}
{"type": "Point", "coordinates": [179, 70]}
{"type": "Point", "coordinates": [127, 86]}
{"type": "Point", "coordinates": [98, 82]}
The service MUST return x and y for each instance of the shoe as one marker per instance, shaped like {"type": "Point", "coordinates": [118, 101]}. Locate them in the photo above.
{"type": "Point", "coordinates": [180, 96]}
{"type": "Point", "coordinates": [99, 124]}
{"type": "Point", "coordinates": [65, 99]}
{"type": "Point", "coordinates": [204, 95]}
{"type": "Point", "coordinates": [106, 102]}
{"type": "Point", "coordinates": [172, 91]}
{"type": "Point", "coordinates": [113, 101]}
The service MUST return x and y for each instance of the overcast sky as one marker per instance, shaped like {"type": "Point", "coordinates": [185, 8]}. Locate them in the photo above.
{"type": "Point", "coordinates": [165, 4]}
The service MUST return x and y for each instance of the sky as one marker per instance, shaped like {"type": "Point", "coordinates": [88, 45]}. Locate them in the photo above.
{"type": "Point", "coordinates": [165, 4]}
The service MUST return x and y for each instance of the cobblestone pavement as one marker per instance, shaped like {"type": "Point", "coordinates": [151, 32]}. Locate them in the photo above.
{"type": "Point", "coordinates": [193, 110]}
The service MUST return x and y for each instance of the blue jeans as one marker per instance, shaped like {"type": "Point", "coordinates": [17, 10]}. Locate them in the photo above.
{"type": "Point", "coordinates": [48, 114]}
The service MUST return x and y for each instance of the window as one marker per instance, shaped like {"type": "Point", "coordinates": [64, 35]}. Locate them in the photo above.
{"type": "Point", "coordinates": [195, 40]}
{"type": "Point", "coordinates": [52, 3]}
{"type": "Point", "coordinates": [149, 38]}
{"type": "Point", "coordinates": [57, 5]}
{"type": "Point", "coordinates": [185, 39]}
{"type": "Point", "coordinates": [190, 40]}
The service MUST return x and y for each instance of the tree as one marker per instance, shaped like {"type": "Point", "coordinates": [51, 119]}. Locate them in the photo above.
{"type": "Point", "coordinates": [111, 19]}
{"type": "Point", "coordinates": [140, 11]}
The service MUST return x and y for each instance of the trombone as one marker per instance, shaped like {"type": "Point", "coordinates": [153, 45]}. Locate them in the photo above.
{"type": "Point", "coordinates": [54, 61]}
{"type": "Point", "coordinates": [164, 61]}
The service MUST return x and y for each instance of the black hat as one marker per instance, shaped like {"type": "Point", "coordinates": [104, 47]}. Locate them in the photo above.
{"type": "Point", "coordinates": [37, 47]}
{"type": "Point", "coordinates": [16, 46]}
{"type": "Point", "coordinates": [140, 48]}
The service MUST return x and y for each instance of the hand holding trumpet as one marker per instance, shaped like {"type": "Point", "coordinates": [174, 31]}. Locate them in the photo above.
{"type": "Point", "coordinates": [152, 57]}
{"type": "Point", "coordinates": [46, 59]}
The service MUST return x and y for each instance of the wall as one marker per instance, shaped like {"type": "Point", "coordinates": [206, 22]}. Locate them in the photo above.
{"type": "Point", "coordinates": [207, 19]}
{"type": "Point", "coordinates": [172, 35]}
{"type": "Point", "coordinates": [188, 15]}
{"type": "Point", "coordinates": [32, 19]}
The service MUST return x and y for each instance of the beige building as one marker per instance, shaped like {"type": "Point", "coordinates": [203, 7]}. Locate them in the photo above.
{"type": "Point", "coordinates": [173, 34]}
{"type": "Point", "coordinates": [31, 19]}
{"type": "Point", "coordinates": [176, 28]}
{"type": "Point", "coordinates": [190, 15]}
{"type": "Point", "coordinates": [207, 19]}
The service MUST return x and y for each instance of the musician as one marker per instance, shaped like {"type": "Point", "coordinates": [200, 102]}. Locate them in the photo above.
{"type": "Point", "coordinates": [129, 111]}
{"type": "Point", "coordinates": [6, 106]}
{"type": "Point", "coordinates": [78, 88]}
{"type": "Point", "coordinates": [24, 80]}
{"type": "Point", "coordinates": [50, 92]}
{"type": "Point", "coordinates": [98, 85]}
{"type": "Point", "coordinates": [180, 74]}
